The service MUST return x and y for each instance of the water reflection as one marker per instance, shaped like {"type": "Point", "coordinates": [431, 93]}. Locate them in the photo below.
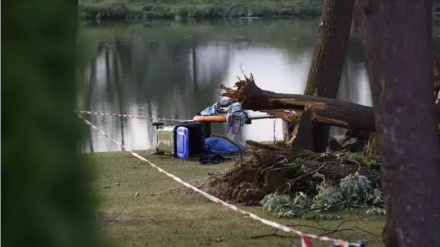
{"type": "Point", "coordinates": [171, 70]}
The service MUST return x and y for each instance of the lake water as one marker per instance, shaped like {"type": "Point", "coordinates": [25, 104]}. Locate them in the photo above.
{"type": "Point", "coordinates": [174, 70]}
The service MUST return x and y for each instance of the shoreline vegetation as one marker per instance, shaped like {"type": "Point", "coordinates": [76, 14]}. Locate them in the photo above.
{"type": "Point", "coordinates": [204, 9]}
{"type": "Point", "coordinates": [196, 9]}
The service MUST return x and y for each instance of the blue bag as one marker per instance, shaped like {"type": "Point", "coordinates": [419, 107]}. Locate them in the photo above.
{"type": "Point", "coordinates": [218, 145]}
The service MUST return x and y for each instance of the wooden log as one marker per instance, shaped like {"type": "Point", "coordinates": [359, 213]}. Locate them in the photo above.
{"type": "Point", "coordinates": [262, 145]}
{"type": "Point", "coordinates": [322, 110]}
{"type": "Point", "coordinates": [303, 137]}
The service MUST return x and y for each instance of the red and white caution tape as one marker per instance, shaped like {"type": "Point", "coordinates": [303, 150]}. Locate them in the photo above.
{"type": "Point", "coordinates": [279, 226]}
{"type": "Point", "coordinates": [305, 242]}
{"type": "Point", "coordinates": [128, 116]}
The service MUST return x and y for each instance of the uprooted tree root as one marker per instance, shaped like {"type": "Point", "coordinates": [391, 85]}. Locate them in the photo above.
{"type": "Point", "coordinates": [279, 169]}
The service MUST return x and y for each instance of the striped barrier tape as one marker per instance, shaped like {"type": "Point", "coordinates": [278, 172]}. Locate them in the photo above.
{"type": "Point", "coordinates": [304, 236]}
{"type": "Point", "coordinates": [128, 115]}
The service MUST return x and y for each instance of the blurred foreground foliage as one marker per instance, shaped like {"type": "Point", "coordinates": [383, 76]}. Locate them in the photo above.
{"type": "Point", "coordinates": [46, 194]}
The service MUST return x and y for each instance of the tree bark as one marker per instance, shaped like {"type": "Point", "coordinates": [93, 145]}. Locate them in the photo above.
{"type": "Point", "coordinates": [397, 40]}
{"type": "Point", "coordinates": [327, 64]}
{"type": "Point", "coordinates": [290, 107]}
{"type": "Point", "coordinates": [436, 71]}
{"type": "Point", "coordinates": [330, 49]}
{"type": "Point", "coordinates": [371, 148]}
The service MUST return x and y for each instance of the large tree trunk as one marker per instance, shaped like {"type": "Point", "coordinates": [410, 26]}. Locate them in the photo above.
{"type": "Point", "coordinates": [330, 49]}
{"type": "Point", "coordinates": [327, 64]}
{"type": "Point", "coordinates": [396, 36]}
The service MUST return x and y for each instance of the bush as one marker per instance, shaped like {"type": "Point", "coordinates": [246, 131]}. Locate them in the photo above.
{"type": "Point", "coordinates": [353, 191]}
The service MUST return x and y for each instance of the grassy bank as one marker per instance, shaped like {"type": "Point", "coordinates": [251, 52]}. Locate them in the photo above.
{"type": "Point", "coordinates": [164, 214]}
{"type": "Point", "coordinates": [146, 9]}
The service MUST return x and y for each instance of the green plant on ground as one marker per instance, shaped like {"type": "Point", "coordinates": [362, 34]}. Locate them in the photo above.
{"type": "Point", "coordinates": [353, 191]}
{"type": "Point", "coordinates": [285, 206]}
{"type": "Point", "coordinates": [372, 162]}
{"type": "Point", "coordinates": [351, 158]}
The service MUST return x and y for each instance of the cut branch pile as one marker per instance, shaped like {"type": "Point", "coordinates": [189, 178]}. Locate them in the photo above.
{"type": "Point", "coordinates": [278, 169]}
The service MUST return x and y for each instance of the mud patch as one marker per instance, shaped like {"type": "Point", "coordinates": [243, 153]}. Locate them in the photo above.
{"type": "Point", "coordinates": [105, 217]}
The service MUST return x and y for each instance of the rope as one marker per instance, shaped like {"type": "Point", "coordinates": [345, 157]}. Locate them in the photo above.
{"type": "Point", "coordinates": [129, 116]}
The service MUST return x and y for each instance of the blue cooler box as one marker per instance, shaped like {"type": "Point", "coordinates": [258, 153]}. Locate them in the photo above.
{"type": "Point", "coordinates": [182, 142]}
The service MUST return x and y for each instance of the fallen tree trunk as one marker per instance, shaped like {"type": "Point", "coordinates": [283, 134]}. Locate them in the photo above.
{"type": "Point", "coordinates": [262, 145]}
{"type": "Point", "coordinates": [320, 110]}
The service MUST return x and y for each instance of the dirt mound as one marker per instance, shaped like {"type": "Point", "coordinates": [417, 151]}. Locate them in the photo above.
{"type": "Point", "coordinates": [279, 169]}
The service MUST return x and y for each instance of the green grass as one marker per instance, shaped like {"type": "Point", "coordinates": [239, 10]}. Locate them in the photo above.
{"type": "Point", "coordinates": [166, 215]}
{"type": "Point", "coordinates": [140, 9]}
